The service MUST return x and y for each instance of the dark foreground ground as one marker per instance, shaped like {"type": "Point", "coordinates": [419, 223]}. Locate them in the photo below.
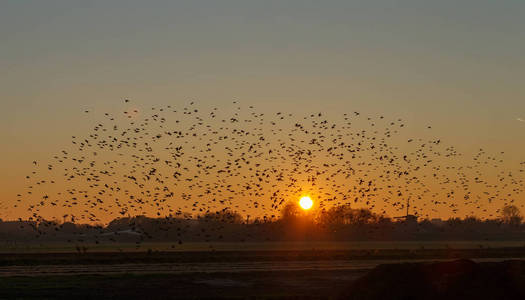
{"type": "Point", "coordinates": [459, 279]}
{"type": "Point", "coordinates": [456, 278]}
{"type": "Point", "coordinates": [254, 285]}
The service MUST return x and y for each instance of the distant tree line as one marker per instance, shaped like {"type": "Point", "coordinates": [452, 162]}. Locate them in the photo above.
{"type": "Point", "coordinates": [338, 223]}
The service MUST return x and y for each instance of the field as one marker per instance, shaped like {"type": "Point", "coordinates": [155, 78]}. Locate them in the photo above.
{"type": "Point", "coordinates": [268, 271]}
{"type": "Point", "coordinates": [59, 247]}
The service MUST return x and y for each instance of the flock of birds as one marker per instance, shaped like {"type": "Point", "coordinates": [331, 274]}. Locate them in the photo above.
{"type": "Point", "coordinates": [171, 161]}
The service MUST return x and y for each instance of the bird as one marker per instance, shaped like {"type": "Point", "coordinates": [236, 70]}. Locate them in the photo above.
{"type": "Point", "coordinates": [210, 163]}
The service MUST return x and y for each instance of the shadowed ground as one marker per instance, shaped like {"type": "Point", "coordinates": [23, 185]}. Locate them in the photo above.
{"type": "Point", "coordinates": [357, 274]}
{"type": "Point", "coordinates": [263, 285]}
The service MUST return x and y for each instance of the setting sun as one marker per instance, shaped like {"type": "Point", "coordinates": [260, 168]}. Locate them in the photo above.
{"type": "Point", "coordinates": [306, 202]}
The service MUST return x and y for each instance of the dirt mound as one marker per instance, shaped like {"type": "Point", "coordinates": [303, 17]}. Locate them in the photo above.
{"type": "Point", "coordinates": [460, 279]}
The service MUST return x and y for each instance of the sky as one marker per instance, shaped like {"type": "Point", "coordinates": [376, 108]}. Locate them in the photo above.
{"type": "Point", "coordinates": [455, 65]}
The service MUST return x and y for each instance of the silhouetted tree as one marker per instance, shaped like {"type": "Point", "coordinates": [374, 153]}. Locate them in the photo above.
{"type": "Point", "coordinates": [345, 215]}
{"type": "Point", "coordinates": [511, 215]}
{"type": "Point", "coordinates": [291, 211]}
{"type": "Point", "coordinates": [223, 216]}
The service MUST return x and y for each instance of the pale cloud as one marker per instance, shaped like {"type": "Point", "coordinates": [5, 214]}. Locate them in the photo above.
{"type": "Point", "coordinates": [520, 119]}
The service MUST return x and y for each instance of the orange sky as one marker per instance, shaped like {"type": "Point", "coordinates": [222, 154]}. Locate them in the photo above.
{"type": "Point", "coordinates": [222, 143]}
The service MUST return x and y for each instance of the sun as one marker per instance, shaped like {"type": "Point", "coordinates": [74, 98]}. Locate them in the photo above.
{"type": "Point", "coordinates": [306, 202]}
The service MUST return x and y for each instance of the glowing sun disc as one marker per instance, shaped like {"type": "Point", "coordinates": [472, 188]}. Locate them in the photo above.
{"type": "Point", "coordinates": [306, 202]}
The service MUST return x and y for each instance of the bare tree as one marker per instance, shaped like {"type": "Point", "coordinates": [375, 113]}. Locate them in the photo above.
{"type": "Point", "coordinates": [511, 215]}
{"type": "Point", "coordinates": [291, 211]}
{"type": "Point", "coordinates": [223, 216]}
{"type": "Point", "coordinates": [338, 216]}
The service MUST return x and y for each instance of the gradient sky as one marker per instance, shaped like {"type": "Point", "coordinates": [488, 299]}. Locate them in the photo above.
{"type": "Point", "coordinates": [455, 65]}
